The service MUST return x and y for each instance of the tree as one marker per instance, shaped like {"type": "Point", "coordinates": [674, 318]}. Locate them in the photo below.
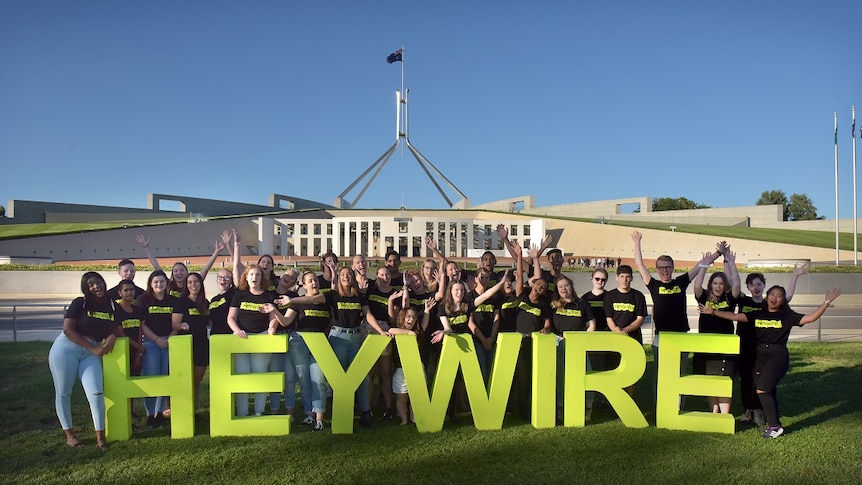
{"type": "Point", "coordinates": [2, 211]}
{"type": "Point", "coordinates": [774, 197]}
{"type": "Point", "coordinates": [670, 204]}
{"type": "Point", "coordinates": [801, 208]}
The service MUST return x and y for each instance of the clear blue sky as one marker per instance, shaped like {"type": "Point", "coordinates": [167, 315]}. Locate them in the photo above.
{"type": "Point", "coordinates": [103, 102]}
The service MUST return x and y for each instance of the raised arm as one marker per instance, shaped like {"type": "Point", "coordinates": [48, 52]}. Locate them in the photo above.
{"type": "Point", "coordinates": [797, 272]}
{"type": "Point", "coordinates": [535, 255]}
{"type": "Point", "coordinates": [432, 245]}
{"type": "Point", "coordinates": [732, 272]}
{"type": "Point", "coordinates": [219, 246]}
{"type": "Point", "coordinates": [238, 267]}
{"type": "Point", "coordinates": [492, 290]}
{"type": "Point", "coordinates": [503, 235]}
{"type": "Point", "coordinates": [144, 242]}
{"type": "Point", "coordinates": [708, 259]}
{"type": "Point", "coordinates": [818, 312]}
{"type": "Point", "coordinates": [519, 270]}
{"type": "Point", "coordinates": [442, 281]}
{"type": "Point", "coordinates": [639, 258]}
{"type": "Point", "coordinates": [426, 315]}
{"type": "Point", "coordinates": [697, 282]}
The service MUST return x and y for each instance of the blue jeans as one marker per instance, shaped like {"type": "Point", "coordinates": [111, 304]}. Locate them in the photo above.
{"type": "Point", "coordinates": [68, 361]}
{"type": "Point", "coordinates": [561, 376]}
{"type": "Point", "coordinates": [156, 363]}
{"type": "Point", "coordinates": [312, 383]}
{"type": "Point", "coordinates": [282, 363]}
{"type": "Point", "coordinates": [486, 359]}
{"type": "Point", "coordinates": [346, 346]}
{"type": "Point", "coordinates": [246, 364]}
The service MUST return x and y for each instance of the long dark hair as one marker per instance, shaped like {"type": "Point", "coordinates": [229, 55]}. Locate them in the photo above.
{"type": "Point", "coordinates": [200, 302]}
{"type": "Point", "coordinates": [85, 288]}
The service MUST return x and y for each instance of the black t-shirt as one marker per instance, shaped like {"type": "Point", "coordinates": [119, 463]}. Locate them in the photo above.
{"type": "Point", "coordinates": [747, 305]}
{"type": "Point", "coordinates": [313, 318]}
{"type": "Point", "coordinates": [711, 323]}
{"type": "Point", "coordinates": [346, 310]}
{"type": "Point", "coordinates": [94, 320]}
{"type": "Point", "coordinates": [131, 321]}
{"type": "Point", "coordinates": [219, 306]}
{"type": "Point", "coordinates": [773, 328]}
{"type": "Point", "coordinates": [396, 281]}
{"type": "Point", "coordinates": [249, 317]}
{"type": "Point", "coordinates": [378, 302]}
{"type": "Point", "coordinates": [196, 319]}
{"type": "Point", "coordinates": [458, 319]}
{"type": "Point", "coordinates": [625, 308]}
{"type": "Point", "coordinates": [531, 316]}
{"type": "Point", "coordinates": [114, 293]}
{"type": "Point", "coordinates": [483, 315]}
{"type": "Point", "coordinates": [158, 313]}
{"type": "Point", "coordinates": [551, 280]}
{"type": "Point", "coordinates": [574, 316]}
{"type": "Point", "coordinates": [323, 285]}
{"type": "Point", "coordinates": [508, 311]}
{"type": "Point", "coordinates": [668, 313]}
{"type": "Point", "coordinates": [597, 303]}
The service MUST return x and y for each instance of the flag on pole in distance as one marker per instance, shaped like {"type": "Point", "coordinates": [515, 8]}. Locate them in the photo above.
{"type": "Point", "coordinates": [836, 136]}
{"type": "Point", "coordinates": [395, 56]}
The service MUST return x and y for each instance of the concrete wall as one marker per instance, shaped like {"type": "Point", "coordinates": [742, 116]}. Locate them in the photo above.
{"type": "Point", "coordinates": [593, 239]}
{"type": "Point", "coordinates": [175, 241]}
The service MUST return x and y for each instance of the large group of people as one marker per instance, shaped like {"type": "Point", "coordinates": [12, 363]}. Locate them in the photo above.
{"type": "Point", "coordinates": [429, 303]}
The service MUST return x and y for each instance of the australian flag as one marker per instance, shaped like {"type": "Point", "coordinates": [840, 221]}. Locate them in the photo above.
{"type": "Point", "coordinates": [395, 56]}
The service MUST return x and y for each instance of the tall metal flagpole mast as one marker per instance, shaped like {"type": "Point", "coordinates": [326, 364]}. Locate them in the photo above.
{"type": "Point", "coordinates": [401, 137]}
{"type": "Point", "coordinates": [835, 116]}
{"type": "Point", "coordinates": [855, 228]}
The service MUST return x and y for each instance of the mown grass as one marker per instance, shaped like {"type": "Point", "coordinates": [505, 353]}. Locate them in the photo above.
{"type": "Point", "coordinates": [820, 402]}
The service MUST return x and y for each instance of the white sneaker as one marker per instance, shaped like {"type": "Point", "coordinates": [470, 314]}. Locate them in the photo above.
{"type": "Point", "coordinates": [318, 425]}
{"type": "Point", "coordinates": [773, 432]}
{"type": "Point", "coordinates": [308, 421]}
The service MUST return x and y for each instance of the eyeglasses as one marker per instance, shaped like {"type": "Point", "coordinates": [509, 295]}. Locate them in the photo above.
{"type": "Point", "coordinates": [603, 280]}
{"type": "Point", "coordinates": [223, 278]}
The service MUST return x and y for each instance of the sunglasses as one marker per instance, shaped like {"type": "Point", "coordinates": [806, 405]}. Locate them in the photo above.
{"type": "Point", "coordinates": [601, 279]}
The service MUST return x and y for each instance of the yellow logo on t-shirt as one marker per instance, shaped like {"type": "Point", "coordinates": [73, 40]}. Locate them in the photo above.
{"type": "Point", "coordinates": [569, 312]}
{"type": "Point", "coordinates": [250, 306]}
{"type": "Point", "coordinates": [764, 323]}
{"type": "Point", "coordinates": [624, 307]}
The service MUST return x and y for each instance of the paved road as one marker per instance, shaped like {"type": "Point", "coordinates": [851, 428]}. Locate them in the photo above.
{"type": "Point", "coordinates": [42, 319]}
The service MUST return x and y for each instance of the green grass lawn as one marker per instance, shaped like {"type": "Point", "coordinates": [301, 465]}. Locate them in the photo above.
{"type": "Point", "coordinates": [819, 398]}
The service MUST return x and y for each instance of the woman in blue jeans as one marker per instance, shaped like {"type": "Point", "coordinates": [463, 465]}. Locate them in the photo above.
{"type": "Point", "coordinates": [348, 307]}
{"type": "Point", "coordinates": [246, 317]}
{"type": "Point", "coordinates": [300, 320]}
{"type": "Point", "coordinates": [157, 329]}
{"type": "Point", "coordinates": [89, 332]}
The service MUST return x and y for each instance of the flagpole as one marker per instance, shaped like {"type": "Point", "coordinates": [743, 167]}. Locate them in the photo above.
{"type": "Point", "coordinates": [835, 116]}
{"type": "Point", "coordinates": [855, 225]}
{"type": "Point", "coordinates": [403, 106]}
